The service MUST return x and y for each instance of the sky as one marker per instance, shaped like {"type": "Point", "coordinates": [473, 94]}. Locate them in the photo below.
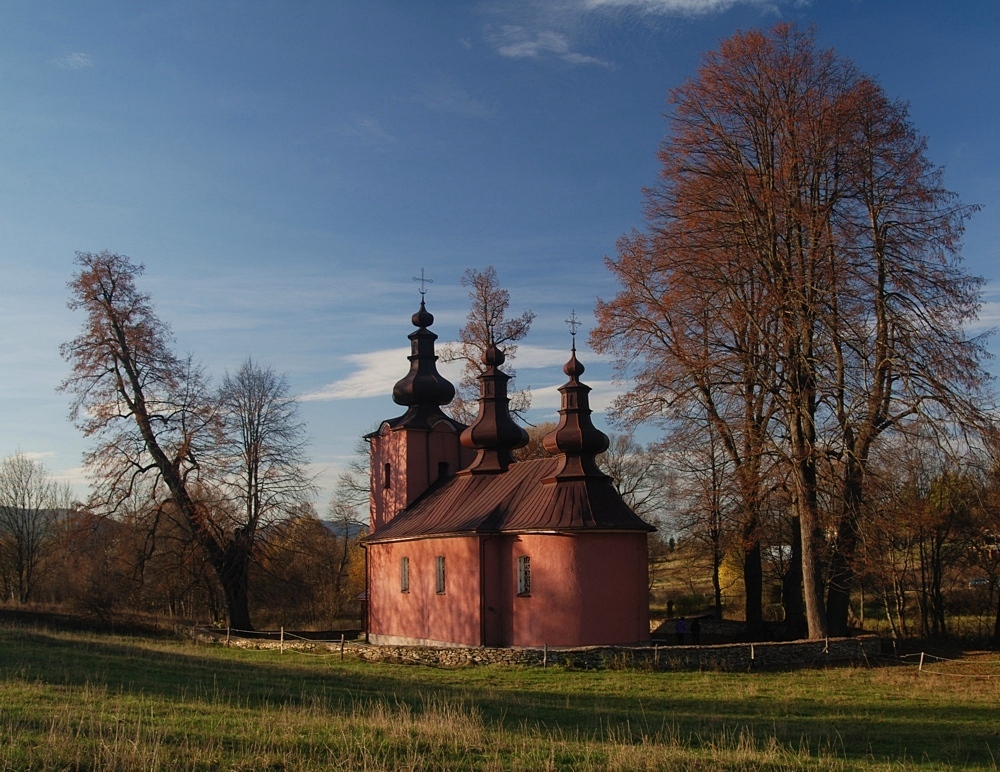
{"type": "Point", "coordinates": [285, 170]}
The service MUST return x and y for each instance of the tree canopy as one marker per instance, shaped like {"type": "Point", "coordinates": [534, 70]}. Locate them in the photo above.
{"type": "Point", "coordinates": [799, 286]}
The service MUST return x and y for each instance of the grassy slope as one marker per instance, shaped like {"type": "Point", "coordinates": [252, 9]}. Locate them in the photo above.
{"type": "Point", "coordinates": [85, 701]}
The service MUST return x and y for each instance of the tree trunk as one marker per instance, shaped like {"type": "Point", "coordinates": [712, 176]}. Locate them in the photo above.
{"type": "Point", "coordinates": [842, 561]}
{"type": "Point", "coordinates": [753, 582]}
{"type": "Point", "coordinates": [791, 588]}
{"type": "Point", "coordinates": [234, 576]}
{"type": "Point", "coordinates": [717, 557]}
{"type": "Point", "coordinates": [807, 509]}
{"type": "Point", "coordinates": [996, 624]}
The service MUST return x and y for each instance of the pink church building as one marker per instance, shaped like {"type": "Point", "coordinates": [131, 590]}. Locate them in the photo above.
{"type": "Point", "coordinates": [468, 547]}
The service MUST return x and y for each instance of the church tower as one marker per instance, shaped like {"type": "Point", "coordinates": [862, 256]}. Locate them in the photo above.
{"type": "Point", "coordinates": [411, 453]}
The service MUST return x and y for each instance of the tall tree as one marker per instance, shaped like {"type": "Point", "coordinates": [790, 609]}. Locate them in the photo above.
{"type": "Point", "coordinates": [31, 503]}
{"type": "Point", "coordinates": [797, 211]}
{"type": "Point", "coordinates": [148, 410]}
{"type": "Point", "coordinates": [486, 325]}
{"type": "Point", "coordinates": [260, 460]}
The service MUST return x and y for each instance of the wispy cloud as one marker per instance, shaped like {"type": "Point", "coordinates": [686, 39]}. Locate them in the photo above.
{"type": "Point", "coordinates": [554, 29]}
{"type": "Point", "coordinates": [368, 130]}
{"type": "Point", "coordinates": [374, 375]}
{"type": "Point", "coordinates": [516, 42]}
{"type": "Point", "coordinates": [75, 60]}
{"type": "Point", "coordinates": [39, 455]}
{"type": "Point", "coordinates": [530, 357]}
{"type": "Point", "coordinates": [673, 7]}
{"type": "Point", "coordinates": [603, 395]}
{"type": "Point", "coordinates": [989, 317]}
{"type": "Point", "coordinates": [446, 96]}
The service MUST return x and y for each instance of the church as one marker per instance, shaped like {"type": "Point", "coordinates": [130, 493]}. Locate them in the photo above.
{"type": "Point", "coordinates": [468, 547]}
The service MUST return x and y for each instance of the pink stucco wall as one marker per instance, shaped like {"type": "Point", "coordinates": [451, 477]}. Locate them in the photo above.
{"type": "Point", "coordinates": [422, 615]}
{"type": "Point", "coordinates": [415, 458]}
{"type": "Point", "coordinates": [586, 589]}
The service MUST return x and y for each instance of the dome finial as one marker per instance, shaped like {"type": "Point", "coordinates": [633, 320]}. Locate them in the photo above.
{"type": "Point", "coordinates": [424, 390]}
{"type": "Point", "coordinates": [575, 439]}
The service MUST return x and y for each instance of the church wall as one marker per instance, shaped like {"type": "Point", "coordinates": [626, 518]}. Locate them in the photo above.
{"type": "Point", "coordinates": [422, 615]}
{"type": "Point", "coordinates": [586, 589]}
{"type": "Point", "coordinates": [416, 458]}
{"type": "Point", "coordinates": [499, 558]}
{"type": "Point", "coordinates": [387, 498]}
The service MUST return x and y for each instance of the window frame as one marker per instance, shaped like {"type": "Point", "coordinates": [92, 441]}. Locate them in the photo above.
{"type": "Point", "coordinates": [524, 576]}
{"type": "Point", "coordinates": [404, 574]}
{"type": "Point", "coordinates": [440, 575]}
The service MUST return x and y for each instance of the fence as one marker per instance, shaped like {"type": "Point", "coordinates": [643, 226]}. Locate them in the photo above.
{"type": "Point", "coordinates": [733, 657]}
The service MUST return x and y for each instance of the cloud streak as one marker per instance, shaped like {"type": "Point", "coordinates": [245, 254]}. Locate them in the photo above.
{"type": "Point", "coordinates": [369, 131]}
{"type": "Point", "coordinates": [75, 60]}
{"type": "Point", "coordinates": [448, 97]}
{"type": "Point", "coordinates": [672, 7]}
{"type": "Point", "coordinates": [549, 29]}
{"type": "Point", "coordinates": [374, 373]}
{"type": "Point", "coordinates": [516, 42]}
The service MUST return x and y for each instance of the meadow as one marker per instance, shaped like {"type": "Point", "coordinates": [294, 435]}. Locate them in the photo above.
{"type": "Point", "coordinates": [71, 700]}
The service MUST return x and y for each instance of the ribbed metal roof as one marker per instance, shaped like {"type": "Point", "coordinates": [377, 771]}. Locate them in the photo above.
{"type": "Point", "coordinates": [514, 501]}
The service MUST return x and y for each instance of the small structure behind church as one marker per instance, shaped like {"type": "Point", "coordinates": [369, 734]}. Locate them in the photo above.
{"type": "Point", "coordinates": [469, 548]}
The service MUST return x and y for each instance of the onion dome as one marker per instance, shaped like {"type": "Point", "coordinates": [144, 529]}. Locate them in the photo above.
{"type": "Point", "coordinates": [493, 434]}
{"type": "Point", "coordinates": [575, 439]}
{"type": "Point", "coordinates": [424, 389]}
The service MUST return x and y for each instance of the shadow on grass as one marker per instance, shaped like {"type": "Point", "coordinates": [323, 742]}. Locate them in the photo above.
{"type": "Point", "coordinates": [856, 715]}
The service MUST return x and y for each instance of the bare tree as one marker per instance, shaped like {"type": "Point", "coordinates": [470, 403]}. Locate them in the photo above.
{"type": "Point", "coordinates": [640, 476]}
{"type": "Point", "coordinates": [31, 503]}
{"type": "Point", "coordinates": [348, 512]}
{"type": "Point", "coordinates": [486, 325]}
{"type": "Point", "coordinates": [259, 460]}
{"type": "Point", "coordinates": [149, 412]}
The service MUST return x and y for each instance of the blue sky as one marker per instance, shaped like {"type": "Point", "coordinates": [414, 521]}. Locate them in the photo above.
{"type": "Point", "coordinates": [284, 170]}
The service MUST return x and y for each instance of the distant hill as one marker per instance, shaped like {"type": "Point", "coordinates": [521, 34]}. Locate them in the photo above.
{"type": "Point", "coordinates": [354, 528]}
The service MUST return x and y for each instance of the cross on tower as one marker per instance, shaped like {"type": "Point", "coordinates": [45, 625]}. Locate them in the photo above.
{"type": "Point", "coordinates": [573, 323]}
{"type": "Point", "coordinates": [424, 281]}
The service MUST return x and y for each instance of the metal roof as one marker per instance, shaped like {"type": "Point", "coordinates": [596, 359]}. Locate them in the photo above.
{"type": "Point", "coordinates": [522, 499]}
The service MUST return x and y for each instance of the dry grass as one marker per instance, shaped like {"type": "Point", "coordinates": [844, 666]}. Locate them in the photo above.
{"type": "Point", "coordinates": [73, 701]}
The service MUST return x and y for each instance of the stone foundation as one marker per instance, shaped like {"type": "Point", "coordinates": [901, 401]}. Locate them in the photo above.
{"type": "Point", "coordinates": [734, 657]}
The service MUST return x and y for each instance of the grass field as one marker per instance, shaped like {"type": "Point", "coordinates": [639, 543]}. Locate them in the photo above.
{"type": "Point", "coordinates": [85, 701]}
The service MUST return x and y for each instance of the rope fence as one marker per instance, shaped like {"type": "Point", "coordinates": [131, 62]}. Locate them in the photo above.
{"type": "Point", "coordinates": [925, 665]}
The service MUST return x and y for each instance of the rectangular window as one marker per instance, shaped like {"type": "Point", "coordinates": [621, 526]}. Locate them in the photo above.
{"type": "Point", "coordinates": [404, 575]}
{"type": "Point", "coordinates": [440, 574]}
{"type": "Point", "coordinates": [524, 575]}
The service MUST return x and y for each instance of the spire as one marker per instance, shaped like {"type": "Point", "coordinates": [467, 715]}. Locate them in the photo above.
{"type": "Point", "coordinates": [575, 439]}
{"type": "Point", "coordinates": [424, 389]}
{"type": "Point", "coordinates": [494, 433]}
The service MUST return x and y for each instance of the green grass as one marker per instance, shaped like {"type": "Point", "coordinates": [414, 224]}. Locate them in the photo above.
{"type": "Point", "coordinates": [75, 701]}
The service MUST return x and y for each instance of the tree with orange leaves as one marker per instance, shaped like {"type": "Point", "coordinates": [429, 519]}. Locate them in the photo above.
{"type": "Point", "coordinates": [799, 286]}
{"type": "Point", "coordinates": [151, 415]}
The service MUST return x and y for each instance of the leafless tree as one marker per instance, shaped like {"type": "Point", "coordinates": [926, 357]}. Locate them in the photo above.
{"type": "Point", "coordinates": [31, 503]}
{"type": "Point", "coordinates": [149, 412]}
{"type": "Point", "coordinates": [259, 461]}
{"type": "Point", "coordinates": [486, 325]}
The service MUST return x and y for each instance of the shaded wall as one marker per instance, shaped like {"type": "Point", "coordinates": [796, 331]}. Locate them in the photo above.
{"type": "Point", "coordinates": [422, 615]}
{"type": "Point", "coordinates": [586, 589]}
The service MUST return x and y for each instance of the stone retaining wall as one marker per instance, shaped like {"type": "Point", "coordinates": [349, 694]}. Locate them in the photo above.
{"type": "Point", "coordinates": [724, 657]}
